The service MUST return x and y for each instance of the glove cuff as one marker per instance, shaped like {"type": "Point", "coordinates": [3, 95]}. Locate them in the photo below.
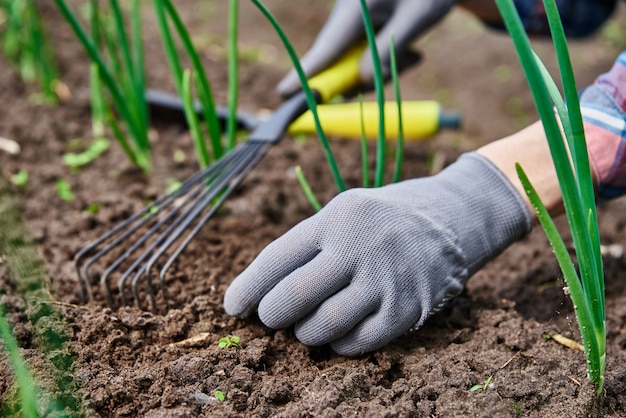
{"type": "Point", "coordinates": [491, 214]}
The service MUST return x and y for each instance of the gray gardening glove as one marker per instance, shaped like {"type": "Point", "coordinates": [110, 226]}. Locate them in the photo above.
{"type": "Point", "coordinates": [406, 19]}
{"type": "Point", "coordinates": [376, 262]}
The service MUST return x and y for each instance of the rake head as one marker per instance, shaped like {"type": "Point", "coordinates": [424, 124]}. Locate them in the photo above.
{"type": "Point", "coordinates": [154, 237]}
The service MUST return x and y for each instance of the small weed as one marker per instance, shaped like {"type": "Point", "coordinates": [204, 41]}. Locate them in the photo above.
{"type": "Point", "coordinates": [482, 387]}
{"type": "Point", "coordinates": [219, 395]}
{"type": "Point", "coordinates": [228, 342]}
{"type": "Point", "coordinates": [77, 160]}
{"type": "Point", "coordinates": [20, 179]}
{"type": "Point", "coordinates": [518, 410]}
{"type": "Point", "coordinates": [64, 191]}
{"type": "Point", "coordinates": [92, 209]}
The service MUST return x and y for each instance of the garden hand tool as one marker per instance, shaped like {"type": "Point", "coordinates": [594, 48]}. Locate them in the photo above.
{"type": "Point", "coordinates": [159, 229]}
{"type": "Point", "coordinates": [424, 118]}
{"type": "Point", "coordinates": [405, 19]}
{"type": "Point", "coordinates": [374, 263]}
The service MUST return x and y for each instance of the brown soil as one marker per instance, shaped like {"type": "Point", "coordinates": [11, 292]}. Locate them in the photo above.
{"type": "Point", "coordinates": [128, 362]}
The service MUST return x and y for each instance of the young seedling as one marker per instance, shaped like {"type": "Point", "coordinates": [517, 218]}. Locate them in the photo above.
{"type": "Point", "coordinates": [228, 342]}
{"type": "Point", "coordinates": [518, 409]}
{"type": "Point", "coordinates": [574, 175]}
{"type": "Point", "coordinates": [75, 161]}
{"type": "Point", "coordinates": [219, 395]}
{"type": "Point", "coordinates": [64, 190]}
{"type": "Point", "coordinates": [482, 386]}
{"type": "Point", "coordinates": [20, 179]}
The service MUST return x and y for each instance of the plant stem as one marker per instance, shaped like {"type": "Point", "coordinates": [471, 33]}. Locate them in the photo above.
{"type": "Point", "coordinates": [233, 70]}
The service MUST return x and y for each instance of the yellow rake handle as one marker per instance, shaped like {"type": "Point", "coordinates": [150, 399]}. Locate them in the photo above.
{"type": "Point", "coordinates": [421, 120]}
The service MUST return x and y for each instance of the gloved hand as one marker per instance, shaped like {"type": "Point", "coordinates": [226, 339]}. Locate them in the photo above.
{"type": "Point", "coordinates": [375, 262]}
{"type": "Point", "coordinates": [406, 19]}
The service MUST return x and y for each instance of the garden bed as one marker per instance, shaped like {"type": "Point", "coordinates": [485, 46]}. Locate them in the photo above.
{"type": "Point", "coordinates": [128, 362]}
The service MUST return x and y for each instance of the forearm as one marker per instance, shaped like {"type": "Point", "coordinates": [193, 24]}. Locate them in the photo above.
{"type": "Point", "coordinates": [529, 148]}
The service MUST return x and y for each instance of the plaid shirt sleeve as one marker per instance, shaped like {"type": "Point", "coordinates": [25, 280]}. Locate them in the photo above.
{"type": "Point", "coordinates": [603, 105]}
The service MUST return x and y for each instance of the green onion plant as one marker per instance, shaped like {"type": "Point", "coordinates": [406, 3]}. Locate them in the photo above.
{"type": "Point", "coordinates": [311, 101]}
{"type": "Point", "coordinates": [587, 287]}
{"type": "Point", "coordinates": [166, 13]}
{"type": "Point", "coordinates": [118, 61]}
{"type": "Point", "coordinates": [27, 47]}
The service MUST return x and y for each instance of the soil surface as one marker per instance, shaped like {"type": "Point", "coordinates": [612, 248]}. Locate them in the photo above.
{"type": "Point", "coordinates": [124, 361]}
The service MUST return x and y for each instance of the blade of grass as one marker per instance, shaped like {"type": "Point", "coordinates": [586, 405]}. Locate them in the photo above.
{"type": "Point", "coordinates": [381, 143]}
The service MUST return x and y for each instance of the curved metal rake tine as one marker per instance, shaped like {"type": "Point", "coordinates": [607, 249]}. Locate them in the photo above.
{"type": "Point", "coordinates": [258, 153]}
{"type": "Point", "coordinates": [198, 199]}
{"type": "Point", "coordinates": [211, 174]}
{"type": "Point", "coordinates": [192, 193]}
{"type": "Point", "coordinates": [83, 273]}
{"type": "Point", "coordinates": [242, 156]}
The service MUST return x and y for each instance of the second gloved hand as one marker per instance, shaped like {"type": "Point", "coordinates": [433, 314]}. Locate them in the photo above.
{"type": "Point", "coordinates": [405, 19]}
{"type": "Point", "coordinates": [376, 262]}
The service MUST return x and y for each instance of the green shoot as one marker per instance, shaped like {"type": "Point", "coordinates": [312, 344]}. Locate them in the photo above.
{"type": "Point", "coordinates": [122, 76]}
{"type": "Point", "coordinates": [98, 101]}
{"type": "Point", "coordinates": [365, 167]}
{"type": "Point", "coordinates": [20, 179]}
{"type": "Point", "coordinates": [193, 122]}
{"type": "Point", "coordinates": [379, 84]}
{"type": "Point", "coordinates": [27, 47]}
{"type": "Point", "coordinates": [24, 379]}
{"type": "Point", "coordinates": [64, 190]}
{"type": "Point", "coordinates": [228, 342]}
{"type": "Point", "coordinates": [233, 70]}
{"type": "Point", "coordinates": [516, 407]}
{"type": "Point", "coordinates": [306, 187]}
{"type": "Point", "coordinates": [586, 290]}
{"type": "Point", "coordinates": [396, 88]}
{"type": "Point", "coordinates": [165, 9]}
{"type": "Point", "coordinates": [219, 395]}
{"type": "Point", "coordinates": [482, 386]}
{"type": "Point", "coordinates": [92, 209]}
{"type": "Point", "coordinates": [76, 161]}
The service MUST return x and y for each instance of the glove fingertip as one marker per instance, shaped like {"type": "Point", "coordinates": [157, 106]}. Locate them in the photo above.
{"type": "Point", "coordinates": [236, 303]}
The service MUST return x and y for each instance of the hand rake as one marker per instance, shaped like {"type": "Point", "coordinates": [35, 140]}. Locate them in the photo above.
{"type": "Point", "coordinates": [167, 226]}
